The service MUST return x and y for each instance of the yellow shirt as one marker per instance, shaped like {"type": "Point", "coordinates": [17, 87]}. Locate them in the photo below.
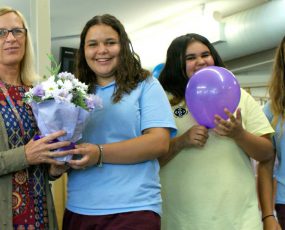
{"type": "Point", "coordinates": [213, 188]}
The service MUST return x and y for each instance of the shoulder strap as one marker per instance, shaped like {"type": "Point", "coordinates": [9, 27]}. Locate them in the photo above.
{"type": "Point", "coordinates": [13, 107]}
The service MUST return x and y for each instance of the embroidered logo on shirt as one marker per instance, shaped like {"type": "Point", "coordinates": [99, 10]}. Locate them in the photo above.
{"type": "Point", "coordinates": [180, 112]}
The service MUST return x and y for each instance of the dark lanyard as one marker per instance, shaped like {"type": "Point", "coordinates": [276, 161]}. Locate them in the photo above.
{"type": "Point", "coordinates": [13, 107]}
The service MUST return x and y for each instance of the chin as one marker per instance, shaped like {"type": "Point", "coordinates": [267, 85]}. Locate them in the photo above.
{"type": "Point", "coordinates": [106, 74]}
{"type": "Point", "coordinates": [12, 61]}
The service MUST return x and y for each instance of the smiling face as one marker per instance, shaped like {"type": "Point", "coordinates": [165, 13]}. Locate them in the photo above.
{"type": "Point", "coordinates": [198, 56]}
{"type": "Point", "coordinates": [102, 48]}
{"type": "Point", "coordinates": [12, 49]}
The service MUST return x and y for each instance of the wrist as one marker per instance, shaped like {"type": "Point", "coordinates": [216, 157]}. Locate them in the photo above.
{"type": "Point", "coordinates": [267, 217]}
{"type": "Point", "coordinates": [100, 157]}
{"type": "Point", "coordinates": [52, 177]}
{"type": "Point", "coordinates": [240, 135]}
{"type": "Point", "coordinates": [57, 171]}
{"type": "Point", "coordinates": [182, 142]}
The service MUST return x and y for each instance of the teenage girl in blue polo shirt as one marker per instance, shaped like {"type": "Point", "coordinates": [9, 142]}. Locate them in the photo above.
{"type": "Point", "coordinates": [115, 184]}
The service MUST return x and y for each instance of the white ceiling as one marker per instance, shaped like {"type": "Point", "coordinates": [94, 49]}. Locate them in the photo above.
{"type": "Point", "coordinates": [145, 21]}
{"type": "Point", "coordinates": [134, 14]}
{"type": "Point", "coordinates": [69, 16]}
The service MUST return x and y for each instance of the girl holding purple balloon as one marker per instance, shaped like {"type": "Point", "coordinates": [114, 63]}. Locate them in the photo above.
{"type": "Point", "coordinates": [207, 177]}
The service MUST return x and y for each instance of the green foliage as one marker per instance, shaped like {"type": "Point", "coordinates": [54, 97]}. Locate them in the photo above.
{"type": "Point", "coordinates": [79, 99]}
{"type": "Point", "coordinates": [54, 69]}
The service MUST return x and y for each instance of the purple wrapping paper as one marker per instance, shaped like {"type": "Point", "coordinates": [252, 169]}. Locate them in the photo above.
{"type": "Point", "coordinates": [52, 116]}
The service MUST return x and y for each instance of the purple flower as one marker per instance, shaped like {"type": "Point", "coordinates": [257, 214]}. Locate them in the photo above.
{"type": "Point", "coordinates": [93, 101]}
{"type": "Point", "coordinates": [38, 91]}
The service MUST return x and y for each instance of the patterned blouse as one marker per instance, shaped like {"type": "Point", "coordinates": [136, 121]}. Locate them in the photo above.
{"type": "Point", "coordinates": [29, 198]}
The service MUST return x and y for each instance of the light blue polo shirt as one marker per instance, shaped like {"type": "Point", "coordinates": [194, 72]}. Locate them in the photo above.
{"type": "Point", "coordinates": [117, 188]}
{"type": "Point", "coordinates": [279, 144]}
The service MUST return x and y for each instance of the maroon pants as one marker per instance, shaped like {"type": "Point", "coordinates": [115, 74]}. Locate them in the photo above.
{"type": "Point", "coordinates": [280, 211]}
{"type": "Point", "coordinates": [139, 220]}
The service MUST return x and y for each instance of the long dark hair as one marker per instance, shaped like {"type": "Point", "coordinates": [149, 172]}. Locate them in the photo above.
{"type": "Point", "coordinates": [129, 71]}
{"type": "Point", "coordinates": [173, 77]}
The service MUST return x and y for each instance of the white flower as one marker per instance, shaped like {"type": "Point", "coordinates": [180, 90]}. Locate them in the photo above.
{"type": "Point", "coordinates": [63, 87]}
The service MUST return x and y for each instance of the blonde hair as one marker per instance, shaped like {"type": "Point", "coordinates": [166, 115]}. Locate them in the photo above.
{"type": "Point", "coordinates": [27, 70]}
{"type": "Point", "coordinates": [277, 85]}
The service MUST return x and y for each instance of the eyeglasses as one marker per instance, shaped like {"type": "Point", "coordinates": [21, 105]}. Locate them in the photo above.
{"type": "Point", "coordinates": [17, 32]}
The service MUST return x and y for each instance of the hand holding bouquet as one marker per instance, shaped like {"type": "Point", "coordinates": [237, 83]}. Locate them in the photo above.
{"type": "Point", "coordinates": [61, 102]}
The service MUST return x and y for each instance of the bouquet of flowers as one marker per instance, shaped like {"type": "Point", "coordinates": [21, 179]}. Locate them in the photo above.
{"type": "Point", "coordinates": [61, 102]}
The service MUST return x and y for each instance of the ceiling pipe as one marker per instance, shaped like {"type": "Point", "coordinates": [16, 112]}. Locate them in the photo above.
{"type": "Point", "coordinates": [251, 31]}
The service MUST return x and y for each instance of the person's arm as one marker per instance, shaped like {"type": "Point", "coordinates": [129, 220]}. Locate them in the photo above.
{"type": "Point", "coordinates": [56, 171]}
{"type": "Point", "coordinates": [265, 193]}
{"type": "Point", "coordinates": [40, 151]}
{"type": "Point", "coordinates": [196, 136]}
{"type": "Point", "coordinates": [12, 160]}
{"type": "Point", "coordinates": [259, 148]}
{"type": "Point", "coordinates": [33, 153]}
{"type": "Point", "coordinates": [152, 144]}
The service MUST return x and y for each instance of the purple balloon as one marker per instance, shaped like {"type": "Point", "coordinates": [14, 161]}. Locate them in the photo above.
{"type": "Point", "coordinates": [209, 91]}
